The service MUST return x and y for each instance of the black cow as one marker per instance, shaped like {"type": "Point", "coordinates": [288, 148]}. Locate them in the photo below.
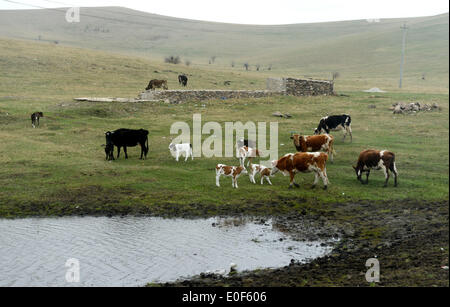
{"type": "Point", "coordinates": [335, 123]}
{"type": "Point", "coordinates": [127, 138]}
{"type": "Point", "coordinates": [182, 79]}
{"type": "Point", "coordinates": [35, 118]}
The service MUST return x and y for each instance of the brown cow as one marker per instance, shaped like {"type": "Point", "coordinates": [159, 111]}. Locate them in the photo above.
{"type": "Point", "coordinates": [375, 159]}
{"type": "Point", "coordinates": [304, 162]}
{"type": "Point", "coordinates": [153, 84]}
{"type": "Point", "coordinates": [230, 171]}
{"type": "Point", "coordinates": [323, 142]}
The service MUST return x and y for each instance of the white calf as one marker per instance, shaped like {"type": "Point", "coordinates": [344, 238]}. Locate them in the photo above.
{"type": "Point", "coordinates": [178, 149]}
{"type": "Point", "coordinates": [231, 171]}
{"type": "Point", "coordinates": [259, 169]}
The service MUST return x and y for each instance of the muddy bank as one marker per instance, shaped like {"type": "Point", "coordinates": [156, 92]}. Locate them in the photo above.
{"type": "Point", "coordinates": [409, 238]}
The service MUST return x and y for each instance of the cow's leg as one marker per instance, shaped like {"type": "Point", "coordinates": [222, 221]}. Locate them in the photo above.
{"type": "Point", "coordinates": [186, 155]}
{"type": "Point", "coordinates": [251, 175]}
{"type": "Point", "coordinates": [125, 151]}
{"type": "Point", "coordinates": [268, 180]}
{"type": "Point", "coordinates": [218, 179]}
{"type": "Point", "coordinates": [37, 121]}
{"type": "Point", "coordinates": [323, 175]}
{"type": "Point", "coordinates": [394, 171]}
{"type": "Point", "coordinates": [142, 150]}
{"type": "Point", "coordinates": [235, 183]}
{"type": "Point", "coordinates": [386, 175]}
{"type": "Point", "coordinates": [292, 183]}
{"type": "Point", "coordinates": [118, 152]}
{"type": "Point", "coordinates": [249, 161]}
{"type": "Point", "coordinates": [316, 179]}
{"type": "Point", "coordinates": [367, 176]}
{"type": "Point", "coordinates": [349, 129]}
{"type": "Point", "coordinates": [177, 156]}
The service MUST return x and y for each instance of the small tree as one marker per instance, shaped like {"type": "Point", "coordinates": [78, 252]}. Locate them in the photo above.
{"type": "Point", "coordinates": [232, 64]}
{"type": "Point", "coordinates": [246, 66]}
{"type": "Point", "coordinates": [257, 67]}
{"type": "Point", "coordinates": [270, 67]}
{"type": "Point", "coordinates": [212, 59]}
{"type": "Point", "coordinates": [187, 62]}
{"type": "Point", "coordinates": [423, 76]}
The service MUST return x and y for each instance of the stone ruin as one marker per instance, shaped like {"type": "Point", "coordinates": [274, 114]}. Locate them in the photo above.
{"type": "Point", "coordinates": [274, 86]}
{"type": "Point", "coordinates": [413, 107]}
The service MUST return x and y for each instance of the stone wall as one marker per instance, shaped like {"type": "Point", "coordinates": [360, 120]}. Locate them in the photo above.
{"type": "Point", "coordinates": [176, 96]}
{"type": "Point", "coordinates": [275, 86]}
{"type": "Point", "coordinates": [303, 87]}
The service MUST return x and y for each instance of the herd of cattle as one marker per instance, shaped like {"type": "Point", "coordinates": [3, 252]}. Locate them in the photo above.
{"type": "Point", "coordinates": [311, 156]}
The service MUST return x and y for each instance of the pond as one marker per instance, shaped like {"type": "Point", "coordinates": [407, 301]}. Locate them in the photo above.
{"type": "Point", "coordinates": [132, 251]}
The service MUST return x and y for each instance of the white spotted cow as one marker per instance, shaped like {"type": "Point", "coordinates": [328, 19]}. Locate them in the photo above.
{"type": "Point", "coordinates": [259, 169]}
{"type": "Point", "coordinates": [179, 149]}
{"type": "Point", "coordinates": [230, 171]}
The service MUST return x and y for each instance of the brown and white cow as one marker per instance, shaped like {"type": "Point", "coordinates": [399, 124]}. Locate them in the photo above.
{"type": "Point", "coordinates": [311, 143]}
{"type": "Point", "coordinates": [259, 169]}
{"type": "Point", "coordinates": [304, 162]}
{"type": "Point", "coordinates": [247, 152]}
{"type": "Point", "coordinates": [375, 159]}
{"type": "Point", "coordinates": [231, 171]}
{"type": "Point", "coordinates": [153, 84]}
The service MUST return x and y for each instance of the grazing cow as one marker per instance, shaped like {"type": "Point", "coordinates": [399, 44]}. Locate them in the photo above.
{"type": "Point", "coordinates": [182, 79]}
{"type": "Point", "coordinates": [304, 162]}
{"type": "Point", "coordinates": [247, 152]}
{"type": "Point", "coordinates": [231, 171]}
{"type": "Point", "coordinates": [128, 138]}
{"type": "Point", "coordinates": [179, 149]}
{"type": "Point", "coordinates": [335, 123]}
{"type": "Point", "coordinates": [153, 84]}
{"type": "Point", "coordinates": [375, 159]}
{"type": "Point", "coordinates": [259, 169]}
{"type": "Point", "coordinates": [35, 118]}
{"type": "Point", "coordinates": [323, 142]}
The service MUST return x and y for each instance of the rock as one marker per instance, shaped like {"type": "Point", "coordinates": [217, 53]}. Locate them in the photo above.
{"type": "Point", "coordinates": [277, 114]}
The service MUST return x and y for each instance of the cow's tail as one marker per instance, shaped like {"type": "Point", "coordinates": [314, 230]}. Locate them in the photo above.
{"type": "Point", "coordinates": [146, 143]}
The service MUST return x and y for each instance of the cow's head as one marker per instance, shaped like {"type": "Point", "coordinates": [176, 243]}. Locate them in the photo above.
{"type": "Point", "coordinates": [243, 170]}
{"type": "Point", "coordinates": [171, 146]}
{"type": "Point", "coordinates": [296, 138]}
{"type": "Point", "coordinates": [317, 131]}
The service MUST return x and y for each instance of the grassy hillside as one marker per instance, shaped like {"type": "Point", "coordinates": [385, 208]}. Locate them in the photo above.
{"type": "Point", "coordinates": [366, 54]}
{"type": "Point", "coordinates": [60, 168]}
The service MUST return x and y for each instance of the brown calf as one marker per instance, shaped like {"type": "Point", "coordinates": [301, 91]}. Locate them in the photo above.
{"type": "Point", "coordinates": [304, 162]}
{"type": "Point", "coordinates": [153, 84]}
{"type": "Point", "coordinates": [375, 159]}
{"type": "Point", "coordinates": [230, 171]}
{"type": "Point", "coordinates": [323, 142]}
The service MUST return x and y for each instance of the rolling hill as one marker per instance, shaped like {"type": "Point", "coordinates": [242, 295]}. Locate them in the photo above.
{"type": "Point", "coordinates": [359, 50]}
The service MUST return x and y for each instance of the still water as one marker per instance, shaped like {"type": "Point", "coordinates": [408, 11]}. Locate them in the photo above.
{"type": "Point", "coordinates": [132, 251]}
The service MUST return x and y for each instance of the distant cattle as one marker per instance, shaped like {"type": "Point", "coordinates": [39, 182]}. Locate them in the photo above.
{"type": "Point", "coordinates": [247, 153]}
{"type": "Point", "coordinates": [324, 142]}
{"type": "Point", "coordinates": [375, 159]}
{"type": "Point", "coordinates": [128, 138]}
{"type": "Point", "coordinates": [179, 149]}
{"type": "Point", "coordinates": [182, 79]}
{"type": "Point", "coordinates": [35, 118]}
{"type": "Point", "coordinates": [304, 162]}
{"type": "Point", "coordinates": [231, 171]}
{"type": "Point", "coordinates": [335, 123]}
{"type": "Point", "coordinates": [259, 169]}
{"type": "Point", "coordinates": [153, 84]}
